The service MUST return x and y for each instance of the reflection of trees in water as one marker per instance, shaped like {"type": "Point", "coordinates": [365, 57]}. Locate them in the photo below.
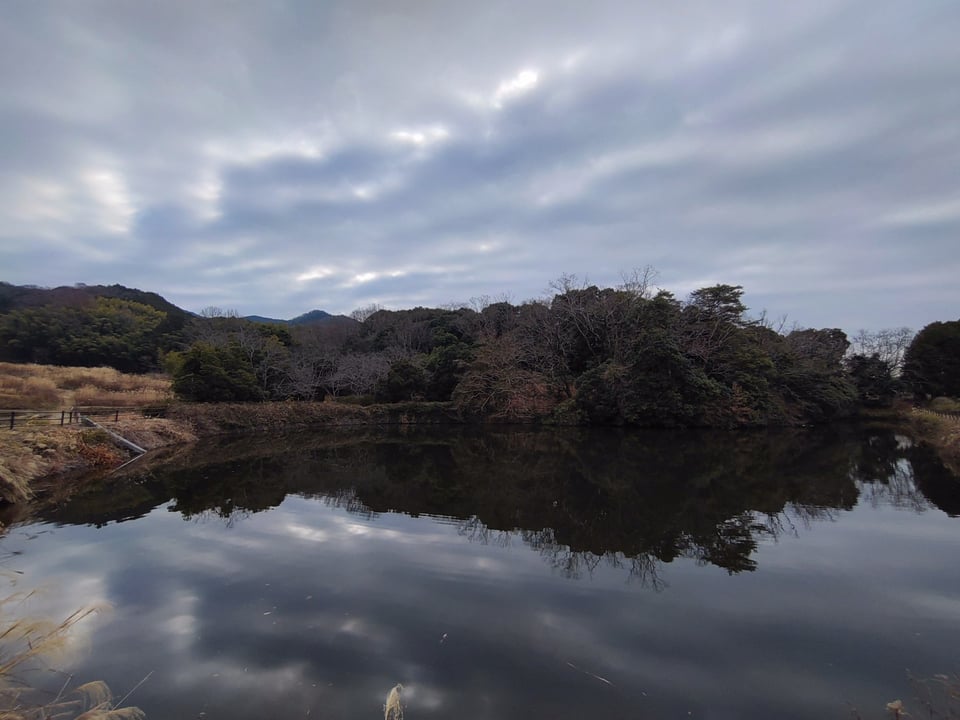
{"type": "Point", "coordinates": [475, 531]}
{"type": "Point", "coordinates": [890, 470]}
{"type": "Point", "coordinates": [230, 517]}
{"type": "Point", "coordinates": [347, 499]}
{"type": "Point", "coordinates": [735, 541]}
{"type": "Point", "coordinates": [897, 489]}
{"type": "Point", "coordinates": [582, 499]}
{"type": "Point", "coordinates": [794, 518]}
{"type": "Point", "coordinates": [643, 569]}
{"type": "Point", "coordinates": [571, 564]}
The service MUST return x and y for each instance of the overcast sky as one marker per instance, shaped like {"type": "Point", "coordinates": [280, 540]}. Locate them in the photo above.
{"type": "Point", "coordinates": [275, 157]}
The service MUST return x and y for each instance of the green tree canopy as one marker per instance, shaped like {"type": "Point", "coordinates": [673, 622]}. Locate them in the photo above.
{"type": "Point", "coordinates": [932, 362]}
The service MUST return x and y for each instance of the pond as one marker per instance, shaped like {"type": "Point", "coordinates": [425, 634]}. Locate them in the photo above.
{"type": "Point", "coordinates": [511, 573]}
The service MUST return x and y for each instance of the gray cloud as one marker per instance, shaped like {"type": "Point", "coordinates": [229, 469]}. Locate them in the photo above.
{"type": "Point", "coordinates": [280, 158]}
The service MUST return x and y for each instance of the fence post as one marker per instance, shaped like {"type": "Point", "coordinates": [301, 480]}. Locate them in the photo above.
{"type": "Point", "coordinates": [116, 417]}
{"type": "Point", "coordinates": [12, 416]}
{"type": "Point", "coordinates": [63, 414]}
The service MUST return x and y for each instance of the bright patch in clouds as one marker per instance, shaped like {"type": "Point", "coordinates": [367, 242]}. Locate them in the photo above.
{"type": "Point", "coordinates": [316, 273]}
{"type": "Point", "coordinates": [326, 155]}
{"type": "Point", "coordinates": [361, 278]}
{"type": "Point", "coordinates": [421, 138]}
{"type": "Point", "coordinates": [206, 194]}
{"type": "Point", "coordinates": [256, 150]}
{"type": "Point", "coordinates": [521, 84]}
{"type": "Point", "coordinates": [109, 191]}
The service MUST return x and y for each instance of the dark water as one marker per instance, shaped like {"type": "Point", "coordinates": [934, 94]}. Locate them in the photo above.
{"type": "Point", "coordinates": [513, 574]}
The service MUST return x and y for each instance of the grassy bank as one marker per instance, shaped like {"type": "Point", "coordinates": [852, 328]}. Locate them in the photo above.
{"type": "Point", "coordinates": [939, 431]}
{"type": "Point", "coordinates": [32, 456]}
{"type": "Point", "coordinates": [33, 452]}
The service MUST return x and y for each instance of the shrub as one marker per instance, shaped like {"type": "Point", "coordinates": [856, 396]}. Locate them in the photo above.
{"type": "Point", "coordinates": [945, 405]}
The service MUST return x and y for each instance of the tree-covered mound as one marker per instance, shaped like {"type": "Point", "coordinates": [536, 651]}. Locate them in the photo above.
{"type": "Point", "coordinates": [625, 355]}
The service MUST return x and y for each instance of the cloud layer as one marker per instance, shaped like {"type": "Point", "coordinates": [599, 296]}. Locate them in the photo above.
{"type": "Point", "coordinates": [279, 158]}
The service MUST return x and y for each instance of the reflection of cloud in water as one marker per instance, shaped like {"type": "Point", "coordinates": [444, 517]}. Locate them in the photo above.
{"type": "Point", "coordinates": [303, 532]}
{"type": "Point", "coordinates": [465, 613]}
{"type": "Point", "coordinates": [182, 623]}
{"type": "Point", "coordinates": [52, 588]}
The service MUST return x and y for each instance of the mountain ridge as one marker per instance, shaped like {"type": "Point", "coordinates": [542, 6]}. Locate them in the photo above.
{"type": "Point", "coordinates": [15, 297]}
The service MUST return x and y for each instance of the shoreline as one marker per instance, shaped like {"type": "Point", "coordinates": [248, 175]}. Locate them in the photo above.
{"type": "Point", "coordinates": [37, 461]}
{"type": "Point", "coordinates": [42, 461]}
{"type": "Point", "coordinates": [940, 432]}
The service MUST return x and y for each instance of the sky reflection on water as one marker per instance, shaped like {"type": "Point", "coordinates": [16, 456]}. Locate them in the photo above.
{"type": "Point", "coordinates": [572, 574]}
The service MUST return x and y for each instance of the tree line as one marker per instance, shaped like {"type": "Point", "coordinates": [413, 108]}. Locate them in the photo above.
{"type": "Point", "coordinates": [583, 354]}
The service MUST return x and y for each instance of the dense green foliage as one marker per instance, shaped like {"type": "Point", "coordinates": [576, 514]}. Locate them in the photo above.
{"type": "Point", "coordinates": [873, 377]}
{"type": "Point", "coordinates": [619, 356]}
{"type": "Point", "coordinates": [932, 363]}
{"type": "Point", "coordinates": [120, 333]}
{"type": "Point", "coordinates": [585, 355]}
{"type": "Point", "coordinates": [88, 326]}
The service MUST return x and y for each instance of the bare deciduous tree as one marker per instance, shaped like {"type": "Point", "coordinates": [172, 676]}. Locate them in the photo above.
{"type": "Point", "coordinates": [361, 314]}
{"type": "Point", "coordinates": [357, 373]}
{"type": "Point", "coordinates": [889, 344]}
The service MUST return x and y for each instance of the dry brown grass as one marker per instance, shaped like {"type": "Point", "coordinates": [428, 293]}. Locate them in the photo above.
{"type": "Point", "coordinates": [151, 433]}
{"type": "Point", "coordinates": [51, 386]}
{"type": "Point", "coordinates": [29, 454]}
{"type": "Point", "coordinates": [940, 432]}
{"type": "Point", "coordinates": [28, 392]}
{"type": "Point", "coordinates": [88, 395]}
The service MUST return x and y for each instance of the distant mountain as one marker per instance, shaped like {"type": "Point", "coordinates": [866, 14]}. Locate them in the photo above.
{"type": "Point", "coordinates": [265, 320]}
{"type": "Point", "coordinates": [17, 297]}
{"type": "Point", "coordinates": [314, 317]}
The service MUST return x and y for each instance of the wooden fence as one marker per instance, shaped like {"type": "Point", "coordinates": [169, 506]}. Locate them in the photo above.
{"type": "Point", "coordinates": [11, 419]}
{"type": "Point", "coordinates": [953, 417]}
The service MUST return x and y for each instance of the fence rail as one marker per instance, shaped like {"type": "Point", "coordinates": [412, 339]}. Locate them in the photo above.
{"type": "Point", "coordinates": [955, 417]}
{"type": "Point", "coordinates": [11, 419]}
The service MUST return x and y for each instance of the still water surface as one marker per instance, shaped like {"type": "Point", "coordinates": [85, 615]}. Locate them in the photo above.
{"type": "Point", "coordinates": [513, 574]}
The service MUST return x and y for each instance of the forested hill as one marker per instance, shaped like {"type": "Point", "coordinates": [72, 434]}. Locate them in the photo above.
{"type": "Point", "coordinates": [624, 355]}
{"type": "Point", "coordinates": [308, 318]}
{"type": "Point", "coordinates": [18, 297]}
{"type": "Point", "coordinates": [89, 325]}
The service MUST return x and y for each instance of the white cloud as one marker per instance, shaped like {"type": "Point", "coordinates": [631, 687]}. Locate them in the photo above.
{"type": "Point", "coordinates": [318, 272]}
{"type": "Point", "coordinates": [109, 191]}
{"type": "Point", "coordinates": [520, 84]}
{"type": "Point", "coordinates": [421, 137]}
{"type": "Point", "coordinates": [594, 139]}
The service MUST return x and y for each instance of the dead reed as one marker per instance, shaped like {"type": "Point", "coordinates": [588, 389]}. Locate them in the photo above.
{"type": "Point", "coordinates": [43, 387]}
{"type": "Point", "coordinates": [26, 646]}
{"type": "Point", "coordinates": [393, 709]}
{"type": "Point", "coordinates": [941, 432]}
{"type": "Point", "coordinates": [28, 392]}
{"type": "Point", "coordinates": [88, 395]}
{"type": "Point", "coordinates": [30, 453]}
